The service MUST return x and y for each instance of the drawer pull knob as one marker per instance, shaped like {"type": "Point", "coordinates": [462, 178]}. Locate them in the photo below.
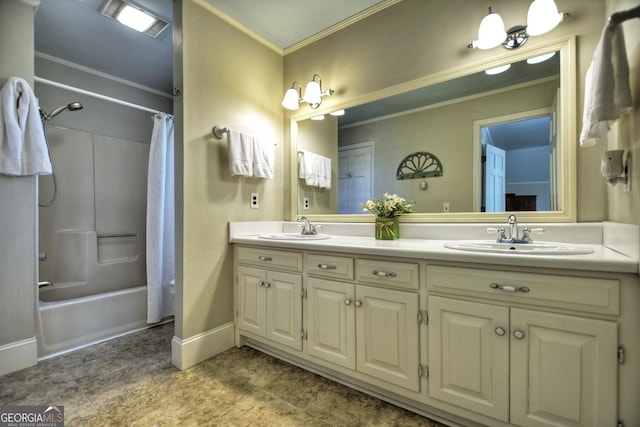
{"type": "Point", "coordinates": [265, 258]}
{"type": "Point", "coordinates": [326, 267]}
{"type": "Point", "coordinates": [500, 331]}
{"type": "Point", "coordinates": [383, 274]}
{"type": "Point", "coordinates": [518, 334]}
{"type": "Point", "coordinates": [358, 303]}
{"type": "Point", "coordinates": [347, 301]}
{"type": "Point", "coordinates": [508, 288]}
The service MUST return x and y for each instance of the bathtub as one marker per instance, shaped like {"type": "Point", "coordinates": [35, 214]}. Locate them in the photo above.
{"type": "Point", "coordinates": [71, 324]}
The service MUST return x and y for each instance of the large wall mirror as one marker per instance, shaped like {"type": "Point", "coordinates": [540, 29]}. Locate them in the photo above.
{"type": "Point", "coordinates": [465, 145]}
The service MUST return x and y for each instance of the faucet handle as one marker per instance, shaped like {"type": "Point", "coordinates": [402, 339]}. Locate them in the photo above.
{"type": "Point", "coordinates": [527, 231]}
{"type": "Point", "coordinates": [537, 230]}
{"type": "Point", "coordinates": [500, 231]}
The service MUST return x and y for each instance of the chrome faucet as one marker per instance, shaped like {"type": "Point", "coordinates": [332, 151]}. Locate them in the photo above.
{"type": "Point", "coordinates": [308, 229]}
{"type": "Point", "coordinates": [513, 232]}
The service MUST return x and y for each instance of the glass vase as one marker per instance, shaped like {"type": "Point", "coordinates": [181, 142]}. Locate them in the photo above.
{"type": "Point", "coordinates": [387, 228]}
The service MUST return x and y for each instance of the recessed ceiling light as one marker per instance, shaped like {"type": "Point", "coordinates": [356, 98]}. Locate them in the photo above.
{"type": "Point", "coordinates": [134, 16]}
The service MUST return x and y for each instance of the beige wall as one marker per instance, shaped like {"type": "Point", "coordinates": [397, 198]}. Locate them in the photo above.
{"type": "Point", "coordinates": [227, 79]}
{"type": "Point", "coordinates": [625, 206]}
{"type": "Point", "coordinates": [413, 38]}
{"type": "Point", "coordinates": [17, 194]}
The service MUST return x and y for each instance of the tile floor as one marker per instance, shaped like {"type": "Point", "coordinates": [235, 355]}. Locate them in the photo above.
{"type": "Point", "coordinates": [130, 381]}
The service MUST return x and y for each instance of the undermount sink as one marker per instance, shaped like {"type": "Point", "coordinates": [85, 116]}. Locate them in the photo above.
{"type": "Point", "coordinates": [537, 248]}
{"type": "Point", "coordinates": [294, 236]}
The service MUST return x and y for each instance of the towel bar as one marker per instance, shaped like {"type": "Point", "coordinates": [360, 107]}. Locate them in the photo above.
{"type": "Point", "coordinates": [219, 131]}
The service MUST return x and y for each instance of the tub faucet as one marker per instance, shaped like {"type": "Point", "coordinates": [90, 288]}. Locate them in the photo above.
{"type": "Point", "coordinates": [308, 229]}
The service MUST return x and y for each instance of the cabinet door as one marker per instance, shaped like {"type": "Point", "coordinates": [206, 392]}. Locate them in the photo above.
{"type": "Point", "coordinates": [469, 355]}
{"type": "Point", "coordinates": [387, 335]}
{"type": "Point", "coordinates": [331, 322]}
{"type": "Point", "coordinates": [284, 308]}
{"type": "Point", "coordinates": [252, 303]}
{"type": "Point", "coordinates": [564, 370]}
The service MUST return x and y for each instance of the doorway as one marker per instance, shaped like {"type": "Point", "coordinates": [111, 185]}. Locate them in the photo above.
{"type": "Point", "coordinates": [355, 176]}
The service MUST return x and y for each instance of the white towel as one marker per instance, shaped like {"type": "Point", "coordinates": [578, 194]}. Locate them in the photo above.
{"type": "Point", "coordinates": [324, 172]}
{"type": "Point", "coordinates": [263, 158]}
{"type": "Point", "coordinates": [607, 91]}
{"type": "Point", "coordinates": [315, 169]}
{"type": "Point", "coordinates": [240, 147]}
{"type": "Point", "coordinates": [23, 148]}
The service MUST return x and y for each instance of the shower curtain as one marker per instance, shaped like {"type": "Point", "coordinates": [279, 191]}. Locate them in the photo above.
{"type": "Point", "coordinates": [160, 221]}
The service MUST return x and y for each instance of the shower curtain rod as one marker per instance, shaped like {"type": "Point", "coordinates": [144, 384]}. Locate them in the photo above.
{"type": "Point", "coordinates": [97, 95]}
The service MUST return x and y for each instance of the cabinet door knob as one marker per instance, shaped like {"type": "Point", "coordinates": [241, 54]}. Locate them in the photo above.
{"type": "Point", "coordinates": [518, 334]}
{"type": "Point", "coordinates": [267, 284]}
{"type": "Point", "coordinates": [347, 301]}
{"type": "Point", "coordinates": [500, 331]}
{"type": "Point", "coordinates": [358, 303]}
{"type": "Point", "coordinates": [260, 283]}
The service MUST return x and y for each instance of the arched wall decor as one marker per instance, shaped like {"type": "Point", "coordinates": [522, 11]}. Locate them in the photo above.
{"type": "Point", "coordinates": [420, 164]}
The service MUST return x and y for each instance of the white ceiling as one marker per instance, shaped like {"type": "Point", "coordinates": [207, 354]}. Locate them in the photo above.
{"type": "Point", "coordinates": [75, 31]}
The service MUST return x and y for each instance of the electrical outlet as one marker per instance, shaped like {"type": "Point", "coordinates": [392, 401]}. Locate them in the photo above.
{"type": "Point", "coordinates": [306, 204]}
{"type": "Point", "coordinates": [254, 201]}
{"type": "Point", "coordinates": [445, 207]}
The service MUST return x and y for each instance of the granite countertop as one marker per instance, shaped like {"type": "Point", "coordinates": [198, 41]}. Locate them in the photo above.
{"type": "Point", "coordinates": [602, 259]}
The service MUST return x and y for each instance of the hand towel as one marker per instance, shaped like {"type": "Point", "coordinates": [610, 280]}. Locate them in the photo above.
{"type": "Point", "coordinates": [309, 168]}
{"type": "Point", "coordinates": [324, 172]}
{"type": "Point", "coordinates": [240, 148]}
{"type": "Point", "coordinates": [263, 158]}
{"type": "Point", "coordinates": [23, 148]}
{"type": "Point", "coordinates": [607, 91]}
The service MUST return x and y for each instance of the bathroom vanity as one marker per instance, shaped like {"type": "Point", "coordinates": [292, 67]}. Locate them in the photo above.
{"type": "Point", "coordinates": [467, 338]}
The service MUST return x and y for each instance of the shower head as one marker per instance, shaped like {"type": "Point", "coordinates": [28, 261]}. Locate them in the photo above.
{"type": "Point", "coordinates": [74, 106]}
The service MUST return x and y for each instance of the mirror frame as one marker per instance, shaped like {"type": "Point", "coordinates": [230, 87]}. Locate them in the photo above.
{"type": "Point", "coordinates": [567, 186]}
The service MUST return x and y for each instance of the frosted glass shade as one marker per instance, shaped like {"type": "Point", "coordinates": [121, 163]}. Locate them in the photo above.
{"type": "Point", "coordinates": [543, 16]}
{"type": "Point", "coordinates": [291, 100]}
{"type": "Point", "coordinates": [312, 93]}
{"type": "Point", "coordinates": [491, 32]}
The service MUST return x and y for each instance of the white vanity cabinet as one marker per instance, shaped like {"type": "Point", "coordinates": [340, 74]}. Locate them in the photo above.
{"type": "Point", "coordinates": [369, 329]}
{"type": "Point", "coordinates": [268, 298]}
{"type": "Point", "coordinates": [508, 357]}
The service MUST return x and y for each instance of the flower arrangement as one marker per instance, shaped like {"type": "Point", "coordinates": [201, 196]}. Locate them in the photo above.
{"type": "Point", "coordinates": [388, 206]}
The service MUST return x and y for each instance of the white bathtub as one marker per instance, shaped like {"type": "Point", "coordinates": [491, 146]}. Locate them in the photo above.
{"type": "Point", "coordinates": [75, 323]}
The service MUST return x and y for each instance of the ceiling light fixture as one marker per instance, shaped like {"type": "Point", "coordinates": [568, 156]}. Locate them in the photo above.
{"type": "Point", "coordinates": [134, 16]}
{"type": "Point", "coordinates": [542, 17]}
{"type": "Point", "coordinates": [312, 94]}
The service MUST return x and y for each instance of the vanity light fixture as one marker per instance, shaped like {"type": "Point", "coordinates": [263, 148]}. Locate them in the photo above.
{"type": "Point", "coordinates": [312, 94]}
{"type": "Point", "coordinates": [540, 58]}
{"type": "Point", "coordinates": [497, 70]}
{"type": "Point", "coordinates": [318, 117]}
{"type": "Point", "coordinates": [337, 113]}
{"type": "Point", "coordinates": [134, 16]}
{"type": "Point", "coordinates": [542, 17]}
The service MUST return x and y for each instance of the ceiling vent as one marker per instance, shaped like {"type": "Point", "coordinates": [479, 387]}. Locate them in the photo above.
{"type": "Point", "coordinates": [134, 16]}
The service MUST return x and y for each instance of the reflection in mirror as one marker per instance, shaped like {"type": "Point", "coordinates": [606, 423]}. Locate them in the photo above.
{"type": "Point", "coordinates": [455, 120]}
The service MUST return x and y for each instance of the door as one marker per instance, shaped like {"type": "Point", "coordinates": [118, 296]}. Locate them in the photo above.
{"type": "Point", "coordinates": [331, 322]}
{"type": "Point", "coordinates": [284, 308]}
{"type": "Point", "coordinates": [469, 355]}
{"type": "Point", "coordinates": [387, 335]}
{"type": "Point", "coordinates": [355, 172]}
{"type": "Point", "coordinates": [252, 304]}
{"type": "Point", "coordinates": [564, 370]}
{"type": "Point", "coordinates": [495, 167]}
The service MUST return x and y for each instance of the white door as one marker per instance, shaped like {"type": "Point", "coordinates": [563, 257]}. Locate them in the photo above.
{"type": "Point", "coordinates": [284, 308]}
{"type": "Point", "coordinates": [331, 324]}
{"type": "Point", "coordinates": [388, 340]}
{"type": "Point", "coordinates": [355, 177]}
{"type": "Point", "coordinates": [469, 355]}
{"type": "Point", "coordinates": [252, 303]}
{"type": "Point", "coordinates": [495, 167]}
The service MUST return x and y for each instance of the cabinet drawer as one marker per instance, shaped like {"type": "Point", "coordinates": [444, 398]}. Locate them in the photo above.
{"type": "Point", "coordinates": [396, 274]}
{"type": "Point", "coordinates": [594, 295]}
{"type": "Point", "coordinates": [329, 266]}
{"type": "Point", "coordinates": [270, 258]}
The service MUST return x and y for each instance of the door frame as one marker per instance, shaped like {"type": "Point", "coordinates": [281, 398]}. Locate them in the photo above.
{"type": "Point", "coordinates": [367, 144]}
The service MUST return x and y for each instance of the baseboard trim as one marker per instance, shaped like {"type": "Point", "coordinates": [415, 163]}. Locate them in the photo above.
{"type": "Point", "coordinates": [191, 351]}
{"type": "Point", "coordinates": [18, 355]}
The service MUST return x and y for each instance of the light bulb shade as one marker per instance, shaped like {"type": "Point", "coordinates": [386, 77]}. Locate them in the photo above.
{"type": "Point", "coordinates": [543, 16]}
{"type": "Point", "coordinates": [497, 70]}
{"type": "Point", "coordinates": [312, 93]}
{"type": "Point", "coordinates": [491, 32]}
{"type": "Point", "coordinates": [291, 100]}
